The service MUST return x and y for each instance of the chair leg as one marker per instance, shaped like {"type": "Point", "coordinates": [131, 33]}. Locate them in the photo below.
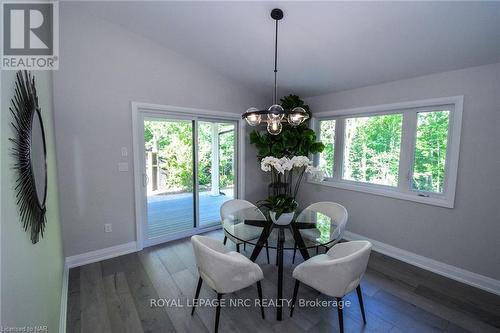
{"type": "Point", "coordinates": [244, 246]}
{"type": "Point", "coordinates": [360, 299]}
{"type": "Point", "coordinates": [198, 287]}
{"type": "Point", "coordinates": [294, 252]}
{"type": "Point", "coordinates": [341, 316]}
{"type": "Point", "coordinates": [225, 240]}
{"type": "Point", "coordinates": [238, 248]}
{"type": "Point", "coordinates": [294, 298]}
{"type": "Point", "coordinates": [276, 257]}
{"type": "Point", "coordinates": [317, 249]}
{"type": "Point", "coordinates": [267, 253]}
{"type": "Point", "coordinates": [217, 313]}
{"type": "Point", "coordinates": [259, 291]}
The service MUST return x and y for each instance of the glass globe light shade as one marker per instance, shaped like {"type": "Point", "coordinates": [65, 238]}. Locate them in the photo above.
{"type": "Point", "coordinates": [297, 116]}
{"type": "Point", "coordinates": [274, 127]}
{"type": "Point", "coordinates": [279, 112]}
{"type": "Point", "coordinates": [252, 118]}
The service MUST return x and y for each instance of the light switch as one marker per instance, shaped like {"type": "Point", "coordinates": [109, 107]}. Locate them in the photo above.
{"type": "Point", "coordinates": [124, 152]}
{"type": "Point", "coordinates": [123, 166]}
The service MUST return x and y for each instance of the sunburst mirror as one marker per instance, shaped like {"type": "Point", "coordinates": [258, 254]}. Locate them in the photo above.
{"type": "Point", "coordinates": [30, 153]}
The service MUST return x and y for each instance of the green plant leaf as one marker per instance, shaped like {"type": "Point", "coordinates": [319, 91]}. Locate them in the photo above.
{"type": "Point", "coordinates": [264, 151]}
{"type": "Point", "coordinates": [292, 141]}
{"type": "Point", "coordinates": [255, 137]}
{"type": "Point", "coordinates": [277, 149]}
{"type": "Point", "coordinates": [317, 147]}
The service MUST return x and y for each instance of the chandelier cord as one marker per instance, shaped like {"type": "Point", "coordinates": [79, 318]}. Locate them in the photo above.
{"type": "Point", "coordinates": [275, 114]}
{"type": "Point", "coordinates": [275, 97]}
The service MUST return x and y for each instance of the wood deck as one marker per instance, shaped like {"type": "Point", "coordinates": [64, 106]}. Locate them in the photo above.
{"type": "Point", "coordinates": [168, 214]}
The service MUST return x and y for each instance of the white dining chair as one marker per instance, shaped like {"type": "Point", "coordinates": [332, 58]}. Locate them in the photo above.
{"type": "Point", "coordinates": [224, 271]}
{"type": "Point", "coordinates": [335, 273]}
{"type": "Point", "coordinates": [246, 232]}
{"type": "Point", "coordinates": [336, 212]}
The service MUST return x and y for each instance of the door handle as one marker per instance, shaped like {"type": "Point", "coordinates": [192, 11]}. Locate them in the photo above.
{"type": "Point", "coordinates": [145, 180]}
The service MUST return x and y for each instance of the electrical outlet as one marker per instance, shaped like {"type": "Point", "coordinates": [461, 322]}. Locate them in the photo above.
{"type": "Point", "coordinates": [124, 152]}
{"type": "Point", "coordinates": [107, 227]}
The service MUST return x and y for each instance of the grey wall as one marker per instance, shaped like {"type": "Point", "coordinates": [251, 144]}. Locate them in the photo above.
{"type": "Point", "coordinates": [102, 68]}
{"type": "Point", "coordinates": [31, 274]}
{"type": "Point", "coordinates": [256, 180]}
{"type": "Point", "coordinates": [466, 236]}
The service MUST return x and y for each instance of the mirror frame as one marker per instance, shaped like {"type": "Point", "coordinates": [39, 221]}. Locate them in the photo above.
{"type": "Point", "coordinates": [24, 110]}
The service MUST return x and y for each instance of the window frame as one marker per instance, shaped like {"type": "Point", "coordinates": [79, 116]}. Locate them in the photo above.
{"type": "Point", "coordinates": [316, 126]}
{"type": "Point", "coordinates": [409, 111]}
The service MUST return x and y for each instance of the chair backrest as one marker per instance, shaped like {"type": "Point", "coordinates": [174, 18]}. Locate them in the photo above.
{"type": "Point", "coordinates": [340, 270]}
{"type": "Point", "coordinates": [231, 206]}
{"type": "Point", "coordinates": [336, 212]}
{"type": "Point", "coordinates": [220, 267]}
{"type": "Point", "coordinates": [210, 256]}
{"type": "Point", "coordinates": [350, 259]}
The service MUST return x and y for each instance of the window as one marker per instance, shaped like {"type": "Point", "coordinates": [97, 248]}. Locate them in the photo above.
{"type": "Point", "coordinates": [327, 132]}
{"type": "Point", "coordinates": [371, 149]}
{"type": "Point", "coordinates": [430, 151]}
{"type": "Point", "coordinates": [407, 150]}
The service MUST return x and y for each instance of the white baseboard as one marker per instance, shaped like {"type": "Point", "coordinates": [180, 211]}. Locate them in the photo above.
{"type": "Point", "coordinates": [83, 259]}
{"type": "Point", "coordinates": [180, 235]}
{"type": "Point", "coordinates": [473, 279]}
{"type": "Point", "coordinates": [102, 254]}
{"type": "Point", "coordinates": [64, 300]}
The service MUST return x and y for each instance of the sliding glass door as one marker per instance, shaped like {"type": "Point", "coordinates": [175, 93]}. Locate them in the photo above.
{"type": "Point", "coordinates": [189, 172]}
{"type": "Point", "coordinates": [216, 168]}
{"type": "Point", "coordinates": [168, 146]}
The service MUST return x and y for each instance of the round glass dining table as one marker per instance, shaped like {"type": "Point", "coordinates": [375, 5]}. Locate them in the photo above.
{"type": "Point", "coordinates": [309, 230]}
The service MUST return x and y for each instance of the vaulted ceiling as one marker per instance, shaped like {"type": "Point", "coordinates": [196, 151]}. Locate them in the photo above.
{"type": "Point", "coordinates": [323, 46]}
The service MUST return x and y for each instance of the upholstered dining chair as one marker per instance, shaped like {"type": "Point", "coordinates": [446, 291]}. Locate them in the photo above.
{"type": "Point", "coordinates": [336, 273]}
{"type": "Point", "coordinates": [338, 216]}
{"type": "Point", "coordinates": [247, 232]}
{"type": "Point", "coordinates": [224, 271]}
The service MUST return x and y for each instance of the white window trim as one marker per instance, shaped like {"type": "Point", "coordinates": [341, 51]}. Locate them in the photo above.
{"type": "Point", "coordinates": [402, 191]}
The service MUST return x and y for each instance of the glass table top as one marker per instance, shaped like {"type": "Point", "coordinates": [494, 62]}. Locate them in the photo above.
{"type": "Point", "coordinates": [316, 228]}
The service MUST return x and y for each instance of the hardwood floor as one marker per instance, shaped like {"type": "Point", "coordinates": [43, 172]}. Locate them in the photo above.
{"type": "Point", "coordinates": [115, 295]}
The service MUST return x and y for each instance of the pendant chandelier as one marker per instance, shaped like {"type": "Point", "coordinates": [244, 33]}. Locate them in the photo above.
{"type": "Point", "coordinates": [275, 115]}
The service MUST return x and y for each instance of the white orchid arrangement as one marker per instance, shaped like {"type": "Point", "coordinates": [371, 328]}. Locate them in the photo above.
{"type": "Point", "coordinates": [286, 164]}
{"type": "Point", "coordinates": [282, 171]}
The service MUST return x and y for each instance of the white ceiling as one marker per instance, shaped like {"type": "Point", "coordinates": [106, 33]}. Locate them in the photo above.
{"type": "Point", "coordinates": [323, 46]}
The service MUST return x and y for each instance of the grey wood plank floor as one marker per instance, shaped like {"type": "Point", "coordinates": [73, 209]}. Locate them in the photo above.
{"type": "Point", "coordinates": [115, 296]}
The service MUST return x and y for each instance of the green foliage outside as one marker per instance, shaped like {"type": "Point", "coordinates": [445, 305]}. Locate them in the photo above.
{"type": "Point", "coordinates": [292, 141]}
{"type": "Point", "coordinates": [372, 147]}
{"type": "Point", "coordinates": [430, 151]}
{"type": "Point", "coordinates": [173, 142]}
{"type": "Point", "coordinates": [324, 226]}
{"type": "Point", "coordinates": [327, 130]}
{"type": "Point", "coordinates": [226, 154]}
